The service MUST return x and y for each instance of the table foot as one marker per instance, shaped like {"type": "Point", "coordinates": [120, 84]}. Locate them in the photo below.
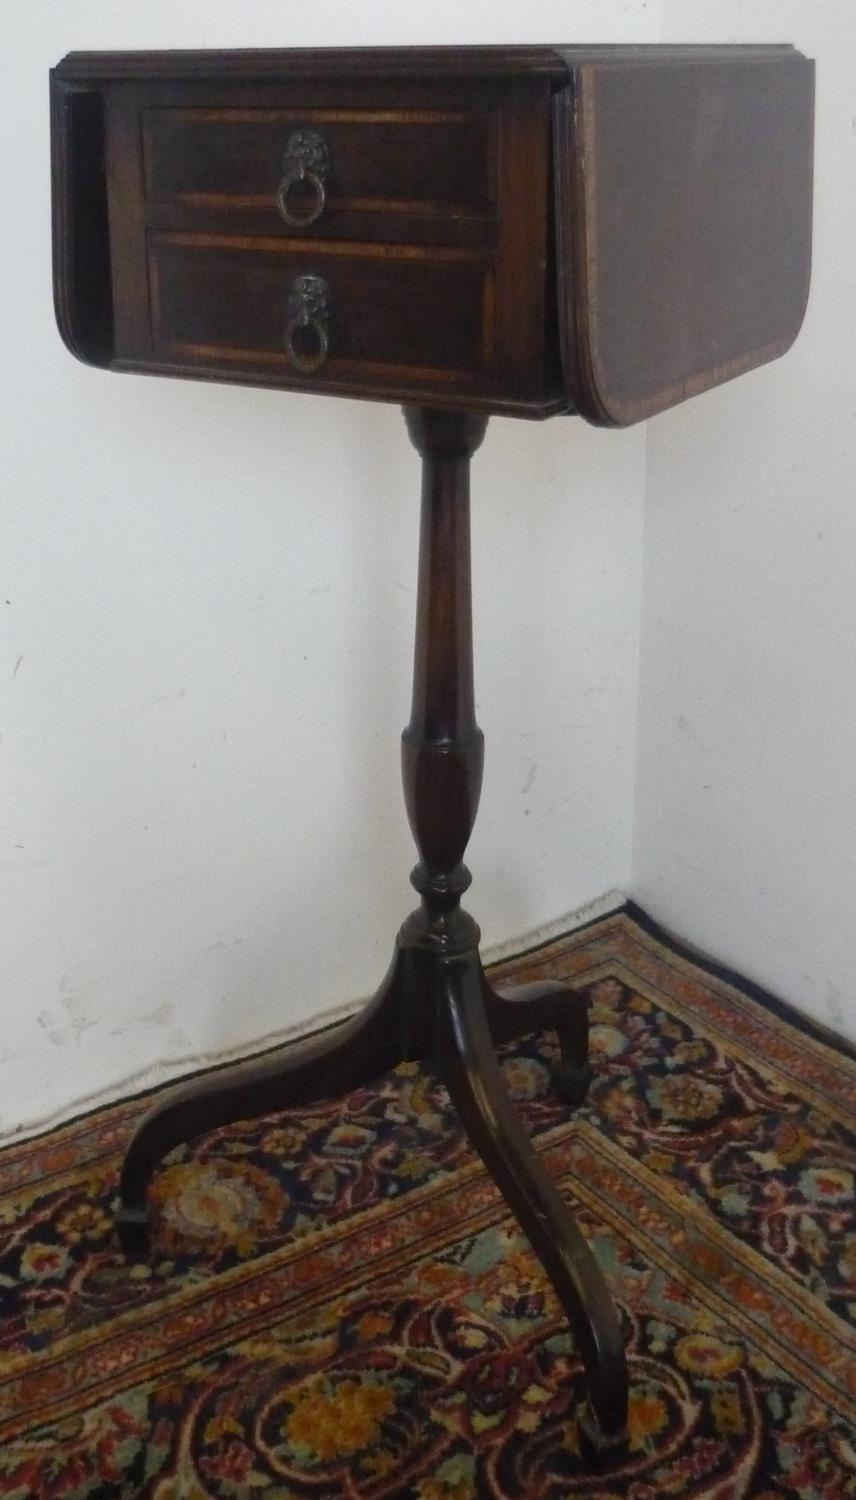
{"type": "Point", "coordinates": [345, 1057]}
{"type": "Point", "coordinates": [471, 1071]}
{"type": "Point", "coordinates": [600, 1446]}
{"type": "Point", "coordinates": [516, 1010]}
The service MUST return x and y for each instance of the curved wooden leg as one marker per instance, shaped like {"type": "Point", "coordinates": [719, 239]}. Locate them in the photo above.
{"type": "Point", "coordinates": [333, 1062]}
{"type": "Point", "coordinates": [470, 1069]}
{"type": "Point", "coordinates": [516, 1010]}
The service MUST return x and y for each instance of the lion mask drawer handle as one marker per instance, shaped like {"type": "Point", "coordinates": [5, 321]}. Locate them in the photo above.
{"type": "Point", "coordinates": [306, 163]}
{"type": "Point", "coordinates": [307, 332]}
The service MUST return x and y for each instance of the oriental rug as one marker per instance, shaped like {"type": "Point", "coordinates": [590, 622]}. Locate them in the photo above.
{"type": "Point", "coordinates": [339, 1304]}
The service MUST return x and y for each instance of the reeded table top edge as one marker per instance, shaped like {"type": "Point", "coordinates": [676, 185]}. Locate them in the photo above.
{"type": "Point", "coordinates": [551, 61]}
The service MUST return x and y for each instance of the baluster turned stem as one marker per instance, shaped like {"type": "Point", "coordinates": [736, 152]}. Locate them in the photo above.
{"type": "Point", "coordinates": [442, 746]}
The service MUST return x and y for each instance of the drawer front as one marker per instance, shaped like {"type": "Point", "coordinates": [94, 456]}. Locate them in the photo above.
{"type": "Point", "coordinates": [340, 169]}
{"type": "Point", "coordinates": [432, 239]}
{"type": "Point", "coordinates": [393, 313]}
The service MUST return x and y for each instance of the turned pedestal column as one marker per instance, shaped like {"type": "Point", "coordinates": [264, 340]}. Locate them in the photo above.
{"type": "Point", "coordinates": [435, 1004]}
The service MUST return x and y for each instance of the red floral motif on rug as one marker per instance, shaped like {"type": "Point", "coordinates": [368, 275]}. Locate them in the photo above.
{"type": "Point", "coordinates": [338, 1302]}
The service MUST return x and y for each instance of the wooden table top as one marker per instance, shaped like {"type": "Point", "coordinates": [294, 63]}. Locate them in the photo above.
{"type": "Point", "coordinates": [527, 230]}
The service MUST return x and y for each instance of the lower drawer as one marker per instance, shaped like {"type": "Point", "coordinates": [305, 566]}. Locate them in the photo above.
{"type": "Point", "coordinates": [322, 312]}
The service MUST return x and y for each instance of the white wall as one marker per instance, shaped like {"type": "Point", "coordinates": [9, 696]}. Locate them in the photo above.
{"type": "Point", "coordinates": [204, 657]}
{"type": "Point", "coordinates": [745, 835]}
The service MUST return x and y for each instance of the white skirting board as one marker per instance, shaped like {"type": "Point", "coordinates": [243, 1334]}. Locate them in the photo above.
{"type": "Point", "coordinates": [183, 1067]}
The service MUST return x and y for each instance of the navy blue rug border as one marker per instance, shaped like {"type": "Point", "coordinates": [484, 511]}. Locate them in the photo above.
{"type": "Point", "coordinates": [684, 949]}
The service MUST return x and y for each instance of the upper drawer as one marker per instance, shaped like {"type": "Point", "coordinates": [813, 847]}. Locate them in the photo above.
{"type": "Point", "coordinates": [357, 173]}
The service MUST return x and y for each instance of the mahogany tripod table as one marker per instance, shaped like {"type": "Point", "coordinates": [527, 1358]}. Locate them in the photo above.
{"type": "Point", "coordinates": [471, 231]}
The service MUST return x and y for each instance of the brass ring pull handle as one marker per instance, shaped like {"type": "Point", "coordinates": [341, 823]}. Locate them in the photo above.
{"type": "Point", "coordinates": [307, 332]}
{"type": "Point", "coordinates": [306, 161]}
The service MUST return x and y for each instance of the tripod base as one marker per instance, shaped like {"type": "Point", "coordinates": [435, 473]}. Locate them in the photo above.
{"type": "Point", "coordinates": [435, 1007]}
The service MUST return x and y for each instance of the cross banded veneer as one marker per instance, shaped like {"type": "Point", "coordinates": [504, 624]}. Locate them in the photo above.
{"type": "Point", "coordinates": [469, 232]}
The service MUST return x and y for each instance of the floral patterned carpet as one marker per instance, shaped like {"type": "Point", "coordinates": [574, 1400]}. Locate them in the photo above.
{"type": "Point", "coordinates": [339, 1304]}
